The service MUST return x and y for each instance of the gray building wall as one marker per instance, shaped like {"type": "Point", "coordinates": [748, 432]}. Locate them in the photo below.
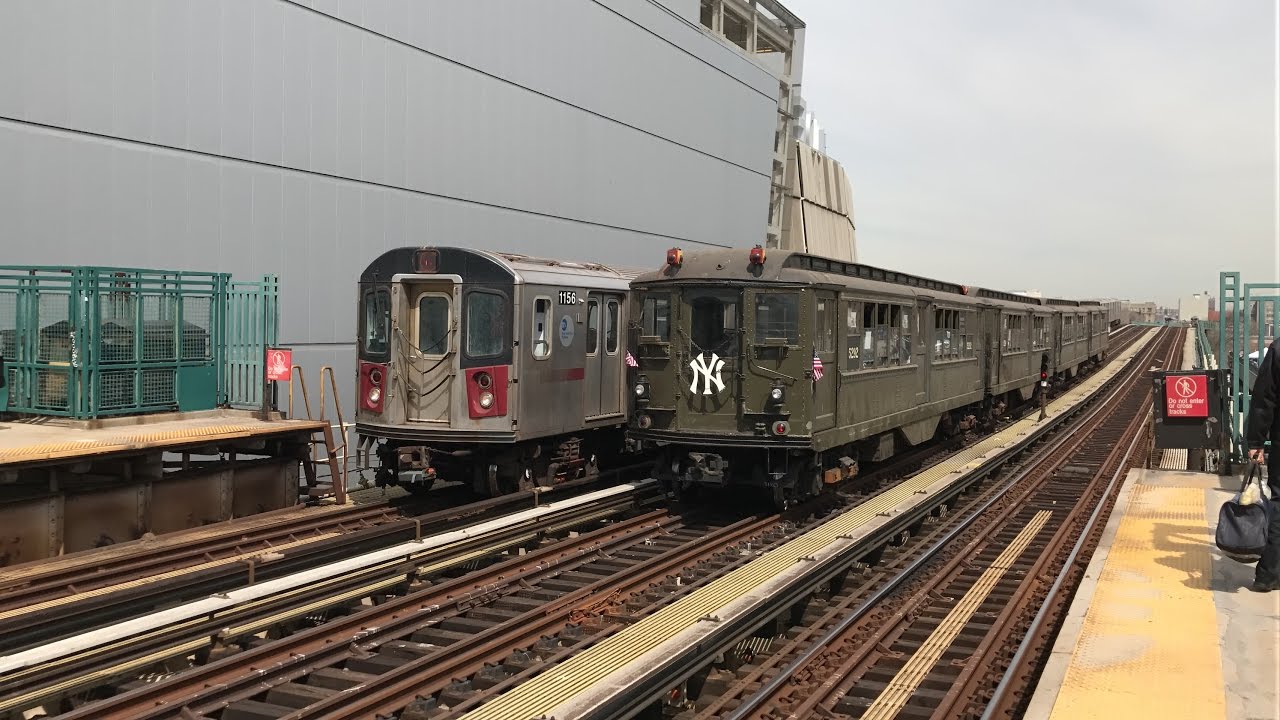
{"type": "Point", "coordinates": [304, 138]}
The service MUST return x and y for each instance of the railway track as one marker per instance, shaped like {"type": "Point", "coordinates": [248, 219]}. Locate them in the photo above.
{"type": "Point", "coordinates": [448, 641]}
{"type": "Point", "coordinates": [954, 623]}
{"type": "Point", "coordinates": [64, 674]}
{"type": "Point", "coordinates": [415, 653]}
{"type": "Point", "coordinates": [45, 601]}
{"type": "Point", "coordinates": [236, 660]}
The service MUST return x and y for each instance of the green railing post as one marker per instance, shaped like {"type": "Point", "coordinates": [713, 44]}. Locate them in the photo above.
{"type": "Point", "coordinates": [1260, 303]}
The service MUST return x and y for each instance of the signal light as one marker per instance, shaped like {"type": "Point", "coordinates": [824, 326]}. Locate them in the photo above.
{"type": "Point", "coordinates": [372, 381]}
{"type": "Point", "coordinates": [757, 255]}
{"type": "Point", "coordinates": [675, 257]}
{"type": "Point", "coordinates": [427, 261]}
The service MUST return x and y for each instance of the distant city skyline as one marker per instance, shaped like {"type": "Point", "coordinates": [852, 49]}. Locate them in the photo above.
{"type": "Point", "coordinates": [998, 144]}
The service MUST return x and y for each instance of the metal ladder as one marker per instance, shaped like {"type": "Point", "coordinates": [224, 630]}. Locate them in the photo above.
{"type": "Point", "coordinates": [332, 450]}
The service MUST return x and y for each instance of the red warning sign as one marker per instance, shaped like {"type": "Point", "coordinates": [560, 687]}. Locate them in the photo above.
{"type": "Point", "coordinates": [1186, 396]}
{"type": "Point", "coordinates": [279, 364]}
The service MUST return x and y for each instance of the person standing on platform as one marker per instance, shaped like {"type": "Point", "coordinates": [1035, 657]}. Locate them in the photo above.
{"type": "Point", "coordinates": [1263, 424]}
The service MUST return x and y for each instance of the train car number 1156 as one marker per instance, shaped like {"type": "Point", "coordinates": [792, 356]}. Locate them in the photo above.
{"type": "Point", "coordinates": [568, 297]}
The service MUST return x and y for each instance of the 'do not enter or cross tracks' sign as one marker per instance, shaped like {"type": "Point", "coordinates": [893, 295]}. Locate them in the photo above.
{"type": "Point", "coordinates": [279, 364]}
{"type": "Point", "coordinates": [1186, 396]}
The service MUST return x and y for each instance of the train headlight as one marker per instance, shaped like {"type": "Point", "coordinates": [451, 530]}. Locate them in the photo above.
{"type": "Point", "coordinates": [781, 427]}
{"type": "Point", "coordinates": [644, 422]}
{"type": "Point", "coordinates": [776, 394]}
{"type": "Point", "coordinates": [486, 399]}
{"type": "Point", "coordinates": [375, 394]}
{"type": "Point", "coordinates": [485, 381]}
{"type": "Point", "coordinates": [641, 390]}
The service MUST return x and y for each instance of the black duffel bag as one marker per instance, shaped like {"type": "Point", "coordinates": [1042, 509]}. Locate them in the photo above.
{"type": "Point", "coordinates": [1242, 525]}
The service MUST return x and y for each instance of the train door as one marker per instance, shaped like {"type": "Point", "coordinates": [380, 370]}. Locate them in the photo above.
{"type": "Point", "coordinates": [826, 363]}
{"type": "Point", "coordinates": [429, 358]}
{"type": "Point", "coordinates": [602, 393]}
{"type": "Point", "coordinates": [1056, 341]}
{"type": "Point", "coordinates": [991, 347]}
{"type": "Point", "coordinates": [927, 334]}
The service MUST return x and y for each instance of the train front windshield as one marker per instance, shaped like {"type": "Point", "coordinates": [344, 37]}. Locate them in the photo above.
{"type": "Point", "coordinates": [714, 319]}
{"type": "Point", "coordinates": [375, 331]}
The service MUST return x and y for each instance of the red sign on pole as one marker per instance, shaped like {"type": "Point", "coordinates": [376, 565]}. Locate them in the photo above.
{"type": "Point", "coordinates": [1186, 396]}
{"type": "Point", "coordinates": [279, 364]}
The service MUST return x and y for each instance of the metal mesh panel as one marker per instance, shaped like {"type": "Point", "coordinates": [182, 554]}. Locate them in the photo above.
{"type": "Point", "coordinates": [9, 324]}
{"type": "Point", "coordinates": [157, 387]}
{"type": "Point", "coordinates": [116, 389]}
{"type": "Point", "coordinates": [158, 332]}
{"type": "Point", "coordinates": [90, 342]}
{"type": "Point", "coordinates": [197, 317]}
{"type": "Point", "coordinates": [53, 388]}
{"type": "Point", "coordinates": [55, 338]}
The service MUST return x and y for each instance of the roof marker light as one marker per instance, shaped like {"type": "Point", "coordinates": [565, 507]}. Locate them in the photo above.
{"type": "Point", "coordinates": [757, 255]}
{"type": "Point", "coordinates": [675, 257]}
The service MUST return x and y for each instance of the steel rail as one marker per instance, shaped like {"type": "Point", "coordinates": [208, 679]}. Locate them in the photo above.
{"type": "Point", "coordinates": [1064, 443]}
{"type": "Point", "coordinates": [78, 613]}
{"type": "Point", "coordinates": [23, 688]}
{"type": "Point", "coordinates": [233, 678]}
{"type": "Point", "coordinates": [999, 699]}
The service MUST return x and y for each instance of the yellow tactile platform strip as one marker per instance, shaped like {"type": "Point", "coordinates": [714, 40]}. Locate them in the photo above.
{"type": "Point", "coordinates": [904, 683]}
{"type": "Point", "coordinates": [540, 695]}
{"type": "Point", "coordinates": [1149, 646]}
{"type": "Point", "coordinates": [125, 441]}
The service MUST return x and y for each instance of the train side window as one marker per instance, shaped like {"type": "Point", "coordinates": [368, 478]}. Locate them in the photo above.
{"type": "Point", "coordinates": [433, 325]}
{"type": "Point", "coordinates": [611, 327]}
{"type": "Point", "coordinates": [903, 326]}
{"type": "Point", "coordinates": [485, 325]}
{"type": "Point", "coordinates": [1014, 338]}
{"type": "Point", "coordinates": [593, 326]}
{"type": "Point", "coordinates": [886, 333]}
{"type": "Point", "coordinates": [948, 341]}
{"type": "Point", "coordinates": [656, 322]}
{"type": "Point", "coordinates": [541, 334]}
{"type": "Point", "coordinates": [826, 336]}
{"type": "Point", "coordinates": [853, 337]}
{"type": "Point", "coordinates": [868, 335]}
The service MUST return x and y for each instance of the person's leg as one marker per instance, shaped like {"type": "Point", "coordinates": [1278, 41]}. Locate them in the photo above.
{"type": "Point", "coordinates": [1268, 572]}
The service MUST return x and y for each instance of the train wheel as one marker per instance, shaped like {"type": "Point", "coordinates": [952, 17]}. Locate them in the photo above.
{"type": "Point", "coordinates": [781, 499]}
{"type": "Point", "coordinates": [419, 488]}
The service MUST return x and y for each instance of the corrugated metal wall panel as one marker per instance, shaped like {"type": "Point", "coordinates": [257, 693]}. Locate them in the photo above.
{"type": "Point", "coordinates": [303, 138]}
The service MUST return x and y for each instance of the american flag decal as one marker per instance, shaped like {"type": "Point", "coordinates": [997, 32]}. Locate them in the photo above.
{"type": "Point", "coordinates": [631, 361]}
{"type": "Point", "coordinates": [817, 366]}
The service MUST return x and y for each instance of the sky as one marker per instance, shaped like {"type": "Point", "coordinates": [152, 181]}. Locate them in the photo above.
{"type": "Point", "coordinates": [1118, 148]}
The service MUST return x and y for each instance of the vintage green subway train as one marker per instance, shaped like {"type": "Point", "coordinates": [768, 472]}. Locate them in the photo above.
{"type": "Point", "coordinates": [736, 367]}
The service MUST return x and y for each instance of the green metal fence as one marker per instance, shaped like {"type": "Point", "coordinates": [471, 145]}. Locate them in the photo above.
{"type": "Point", "coordinates": [252, 325]}
{"type": "Point", "coordinates": [1245, 309]}
{"type": "Point", "coordinates": [89, 342]}
{"type": "Point", "coordinates": [1204, 353]}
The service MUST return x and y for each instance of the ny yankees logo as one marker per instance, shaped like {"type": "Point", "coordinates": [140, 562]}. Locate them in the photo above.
{"type": "Point", "coordinates": [708, 371]}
